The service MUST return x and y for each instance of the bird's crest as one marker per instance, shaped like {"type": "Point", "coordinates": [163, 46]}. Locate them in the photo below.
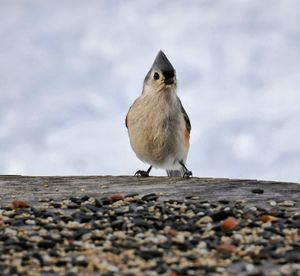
{"type": "Point", "coordinates": [161, 62]}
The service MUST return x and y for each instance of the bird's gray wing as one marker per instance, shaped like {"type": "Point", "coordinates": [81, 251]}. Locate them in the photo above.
{"type": "Point", "coordinates": [126, 121]}
{"type": "Point", "coordinates": [185, 116]}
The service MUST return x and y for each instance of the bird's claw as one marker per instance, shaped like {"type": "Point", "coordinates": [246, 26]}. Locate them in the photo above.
{"type": "Point", "coordinates": [187, 174]}
{"type": "Point", "coordinates": [141, 173]}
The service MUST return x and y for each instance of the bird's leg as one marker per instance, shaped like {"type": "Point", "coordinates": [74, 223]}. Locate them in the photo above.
{"type": "Point", "coordinates": [186, 172]}
{"type": "Point", "coordinates": [143, 173]}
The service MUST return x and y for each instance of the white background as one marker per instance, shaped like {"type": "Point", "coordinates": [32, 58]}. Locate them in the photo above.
{"type": "Point", "coordinates": [69, 70]}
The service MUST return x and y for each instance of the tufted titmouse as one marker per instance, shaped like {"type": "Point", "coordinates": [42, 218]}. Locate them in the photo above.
{"type": "Point", "coordinates": [158, 126]}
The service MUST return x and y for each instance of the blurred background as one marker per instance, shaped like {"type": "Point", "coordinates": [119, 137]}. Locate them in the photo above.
{"type": "Point", "coordinates": [69, 70]}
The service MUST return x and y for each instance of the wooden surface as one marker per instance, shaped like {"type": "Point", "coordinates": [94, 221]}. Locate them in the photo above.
{"type": "Point", "coordinates": [33, 188]}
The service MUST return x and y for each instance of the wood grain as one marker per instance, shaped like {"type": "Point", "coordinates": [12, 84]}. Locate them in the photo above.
{"type": "Point", "coordinates": [33, 188]}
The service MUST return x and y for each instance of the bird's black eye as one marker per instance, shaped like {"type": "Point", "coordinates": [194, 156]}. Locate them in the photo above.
{"type": "Point", "coordinates": [156, 76]}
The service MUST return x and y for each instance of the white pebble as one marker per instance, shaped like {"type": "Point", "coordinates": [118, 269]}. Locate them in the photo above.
{"type": "Point", "coordinates": [272, 203]}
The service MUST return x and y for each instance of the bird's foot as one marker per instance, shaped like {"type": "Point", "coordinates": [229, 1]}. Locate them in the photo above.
{"type": "Point", "coordinates": [187, 174]}
{"type": "Point", "coordinates": [141, 173]}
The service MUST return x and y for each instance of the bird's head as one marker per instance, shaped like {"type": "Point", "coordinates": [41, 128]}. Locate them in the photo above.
{"type": "Point", "coordinates": [161, 75]}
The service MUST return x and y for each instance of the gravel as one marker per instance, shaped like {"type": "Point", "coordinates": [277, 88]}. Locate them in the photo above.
{"type": "Point", "coordinates": [145, 235]}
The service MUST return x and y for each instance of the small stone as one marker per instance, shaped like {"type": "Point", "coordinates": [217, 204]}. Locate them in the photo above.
{"type": "Point", "coordinates": [19, 204]}
{"type": "Point", "coordinates": [150, 254]}
{"type": "Point", "coordinates": [116, 197]}
{"type": "Point", "coordinates": [10, 232]}
{"type": "Point", "coordinates": [91, 207]}
{"type": "Point", "coordinates": [45, 244]}
{"type": "Point", "coordinates": [72, 205]}
{"type": "Point", "coordinates": [229, 224]}
{"type": "Point", "coordinates": [200, 214]}
{"type": "Point", "coordinates": [171, 232]}
{"type": "Point", "coordinates": [221, 215]}
{"type": "Point", "coordinates": [139, 208]}
{"type": "Point", "coordinates": [99, 202]}
{"type": "Point", "coordinates": [117, 224]}
{"type": "Point", "coordinates": [257, 191]}
{"type": "Point", "coordinates": [296, 224]}
{"type": "Point", "coordinates": [104, 187]}
{"type": "Point", "coordinates": [253, 208]}
{"type": "Point", "coordinates": [206, 205]}
{"type": "Point", "coordinates": [140, 222]}
{"type": "Point", "coordinates": [150, 197]}
{"type": "Point", "coordinates": [30, 222]}
{"type": "Point", "coordinates": [293, 256]}
{"type": "Point", "coordinates": [122, 210]}
{"type": "Point", "coordinates": [81, 261]}
{"type": "Point", "coordinates": [85, 198]}
{"type": "Point", "coordinates": [287, 203]}
{"type": "Point", "coordinates": [250, 267]}
{"type": "Point", "coordinates": [179, 238]}
{"type": "Point", "coordinates": [76, 200]}
{"type": "Point", "coordinates": [56, 204]}
{"type": "Point", "coordinates": [224, 201]}
{"type": "Point", "coordinates": [226, 248]}
{"type": "Point", "coordinates": [204, 220]}
{"type": "Point", "coordinates": [267, 218]}
{"type": "Point", "coordinates": [272, 202]}
{"type": "Point", "coordinates": [45, 199]}
{"type": "Point", "coordinates": [39, 257]}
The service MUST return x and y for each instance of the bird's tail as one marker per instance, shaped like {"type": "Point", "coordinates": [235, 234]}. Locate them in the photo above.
{"type": "Point", "coordinates": [175, 173]}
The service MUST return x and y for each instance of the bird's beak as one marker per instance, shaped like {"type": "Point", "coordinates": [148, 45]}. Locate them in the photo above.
{"type": "Point", "coordinates": [169, 76]}
{"type": "Point", "coordinates": [169, 80]}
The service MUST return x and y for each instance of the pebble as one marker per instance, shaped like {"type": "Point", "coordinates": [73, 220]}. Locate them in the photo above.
{"type": "Point", "coordinates": [287, 203]}
{"type": "Point", "coordinates": [19, 204]}
{"type": "Point", "coordinates": [204, 220]}
{"type": "Point", "coordinates": [149, 197]}
{"type": "Point", "coordinates": [229, 224]}
{"type": "Point", "coordinates": [267, 218]}
{"type": "Point", "coordinates": [295, 224]}
{"type": "Point", "coordinates": [30, 222]}
{"type": "Point", "coordinates": [150, 254]}
{"type": "Point", "coordinates": [272, 202]}
{"type": "Point", "coordinates": [116, 197]}
{"type": "Point", "coordinates": [257, 191]}
{"type": "Point", "coordinates": [226, 248]}
{"type": "Point", "coordinates": [9, 232]}
{"type": "Point", "coordinates": [146, 235]}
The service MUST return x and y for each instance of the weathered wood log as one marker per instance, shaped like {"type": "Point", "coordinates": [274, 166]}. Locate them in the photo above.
{"type": "Point", "coordinates": [259, 193]}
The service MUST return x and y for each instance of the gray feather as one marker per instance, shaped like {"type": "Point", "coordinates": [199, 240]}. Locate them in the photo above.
{"type": "Point", "coordinates": [185, 116]}
{"type": "Point", "coordinates": [162, 63]}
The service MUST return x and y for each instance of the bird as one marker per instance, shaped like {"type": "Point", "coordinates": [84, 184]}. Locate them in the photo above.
{"type": "Point", "coordinates": [158, 125]}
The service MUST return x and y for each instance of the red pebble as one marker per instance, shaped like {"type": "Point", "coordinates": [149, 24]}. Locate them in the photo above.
{"type": "Point", "coordinates": [19, 204]}
{"type": "Point", "coordinates": [229, 224]}
{"type": "Point", "coordinates": [116, 197]}
{"type": "Point", "coordinates": [267, 218]}
{"type": "Point", "coordinates": [226, 248]}
{"type": "Point", "coordinates": [171, 232]}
